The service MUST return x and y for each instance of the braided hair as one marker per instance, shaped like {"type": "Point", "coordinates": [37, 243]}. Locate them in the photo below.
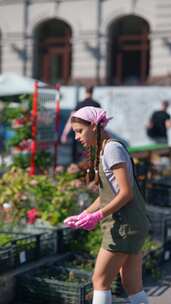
{"type": "Point", "coordinates": [98, 148]}
{"type": "Point", "coordinates": [90, 171]}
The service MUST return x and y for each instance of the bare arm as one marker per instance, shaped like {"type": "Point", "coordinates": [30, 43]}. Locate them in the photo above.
{"type": "Point", "coordinates": [125, 193]}
{"type": "Point", "coordinates": [66, 130]}
{"type": "Point", "coordinates": [94, 206]}
{"type": "Point", "coordinates": [168, 123]}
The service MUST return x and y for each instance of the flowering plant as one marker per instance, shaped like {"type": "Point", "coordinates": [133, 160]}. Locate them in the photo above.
{"type": "Point", "coordinates": [49, 199]}
{"type": "Point", "coordinates": [32, 215]}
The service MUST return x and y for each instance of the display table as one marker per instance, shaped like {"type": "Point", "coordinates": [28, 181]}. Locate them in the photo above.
{"type": "Point", "coordinates": [146, 151]}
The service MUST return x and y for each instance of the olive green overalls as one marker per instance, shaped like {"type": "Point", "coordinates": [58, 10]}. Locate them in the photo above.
{"type": "Point", "coordinates": [126, 230]}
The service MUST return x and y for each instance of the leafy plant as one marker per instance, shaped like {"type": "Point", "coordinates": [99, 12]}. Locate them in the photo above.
{"type": "Point", "coordinates": [54, 199]}
{"type": "Point", "coordinates": [93, 242]}
{"type": "Point", "coordinates": [5, 239]}
{"type": "Point", "coordinates": [151, 258]}
{"type": "Point", "coordinates": [21, 134]}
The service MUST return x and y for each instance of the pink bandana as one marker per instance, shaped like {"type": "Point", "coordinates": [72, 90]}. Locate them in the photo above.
{"type": "Point", "coordinates": [93, 115]}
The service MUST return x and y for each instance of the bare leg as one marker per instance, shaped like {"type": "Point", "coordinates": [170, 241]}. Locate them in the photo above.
{"type": "Point", "coordinates": [131, 276]}
{"type": "Point", "coordinates": [106, 268]}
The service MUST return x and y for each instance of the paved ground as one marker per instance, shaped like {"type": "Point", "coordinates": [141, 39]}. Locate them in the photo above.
{"type": "Point", "coordinates": [159, 291]}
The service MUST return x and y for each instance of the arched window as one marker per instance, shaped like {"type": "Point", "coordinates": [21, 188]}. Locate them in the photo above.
{"type": "Point", "coordinates": [128, 51]}
{"type": "Point", "coordinates": [52, 52]}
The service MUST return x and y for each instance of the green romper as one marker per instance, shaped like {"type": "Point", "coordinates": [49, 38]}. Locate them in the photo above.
{"type": "Point", "coordinates": [125, 230]}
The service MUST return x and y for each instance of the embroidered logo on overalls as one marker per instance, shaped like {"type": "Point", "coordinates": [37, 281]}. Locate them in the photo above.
{"type": "Point", "coordinates": [122, 231]}
{"type": "Point", "coordinates": [125, 231]}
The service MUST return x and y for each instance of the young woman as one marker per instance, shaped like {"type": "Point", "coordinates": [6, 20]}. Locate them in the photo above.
{"type": "Point", "coordinates": [120, 209]}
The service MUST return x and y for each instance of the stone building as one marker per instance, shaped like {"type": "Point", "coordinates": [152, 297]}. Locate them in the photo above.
{"type": "Point", "coordinates": [97, 41]}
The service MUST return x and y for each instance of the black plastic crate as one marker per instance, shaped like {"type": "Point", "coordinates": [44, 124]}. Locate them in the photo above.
{"type": "Point", "coordinates": [70, 239]}
{"type": "Point", "coordinates": [48, 284]}
{"type": "Point", "coordinates": [84, 262]}
{"type": "Point", "coordinates": [167, 232]}
{"type": "Point", "coordinates": [158, 193]}
{"type": "Point", "coordinates": [66, 239]}
{"type": "Point", "coordinates": [18, 249]}
{"type": "Point", "coordinates": [79, 260]}
{"type": "Point", "coordinates": [6, 259]}
{"type": "Point", "coordinates": [47, 238]}
{"type": "Point", "coordinates": [167, 240]}
{"type": "Point", "coordinates": [158, 217]}
{"type": "Point", "coordinates": [48, 243]}
{"type": "Point", "coordinates": [25, 248]}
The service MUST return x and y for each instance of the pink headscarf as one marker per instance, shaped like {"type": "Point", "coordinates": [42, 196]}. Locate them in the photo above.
{"type": "Point", "coordinates": [93, 115]}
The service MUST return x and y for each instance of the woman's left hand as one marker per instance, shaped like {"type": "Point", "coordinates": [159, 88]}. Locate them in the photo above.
{"type": "Point", "coordinates": [72, 220]}
{"type": "Point", "coordinates": [90, 220]}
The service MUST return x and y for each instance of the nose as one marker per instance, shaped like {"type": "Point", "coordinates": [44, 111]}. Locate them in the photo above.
{"type": "Point", "coordinates": [76, 137]}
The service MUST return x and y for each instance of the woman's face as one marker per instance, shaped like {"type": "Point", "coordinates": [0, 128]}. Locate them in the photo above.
{"type": "Point", "coordinates": [86, 135]}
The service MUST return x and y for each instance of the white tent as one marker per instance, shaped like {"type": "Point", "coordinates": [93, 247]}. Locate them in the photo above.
{"type": "Point", "coordinates": [14, 84]}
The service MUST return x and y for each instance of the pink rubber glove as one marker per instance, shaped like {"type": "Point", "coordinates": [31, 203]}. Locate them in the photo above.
{"type": "Point", "coordinates": [90, 220]}
{"type": "Point", "coordinates": [72, 220]}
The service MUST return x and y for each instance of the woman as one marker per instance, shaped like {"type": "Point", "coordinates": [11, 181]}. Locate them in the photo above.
{"type": "Point", "coordinates": [120, 209]}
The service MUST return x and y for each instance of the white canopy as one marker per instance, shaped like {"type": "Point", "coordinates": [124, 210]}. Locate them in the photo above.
{"type": "Point", "coordinates": [14, 84]}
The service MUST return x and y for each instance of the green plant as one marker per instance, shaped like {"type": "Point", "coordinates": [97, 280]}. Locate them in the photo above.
{"type": "Point", "coordinates": [5, 239]}
{"type": "Point", "coordinates": [21, 160]}
{"type": "Point", "coordinates": [11, 113]}
{"type": "Point", "coordinates": [93, 242]}
{"type": "Point", "coordinates": [22, 133]}
{"type": "Point", "coordinates": [152, 254]}
{"type": "Point", "coordinates": [54, 199]}
{"type": "Point", "coordinates": [80, 263]}
{"type": "Point", "coordinates": [149, 245]}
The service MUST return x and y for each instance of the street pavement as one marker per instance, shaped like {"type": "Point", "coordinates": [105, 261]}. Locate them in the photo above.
{"type": "Point", "coordinates": [159, 291]}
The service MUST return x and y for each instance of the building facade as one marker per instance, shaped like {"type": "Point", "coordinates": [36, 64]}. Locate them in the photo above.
{"type": "Point", "coordinates": [103, 42]}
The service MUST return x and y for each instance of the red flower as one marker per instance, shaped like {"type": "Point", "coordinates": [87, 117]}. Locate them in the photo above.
{"type": "Point", "coordinates": [25, 145]}
{"type": "Point", "coordinates": [32, 215]}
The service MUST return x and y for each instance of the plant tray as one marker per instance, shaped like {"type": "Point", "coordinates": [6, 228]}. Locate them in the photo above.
{"type": "Point", "coordinates": [49, 285]}
{"type": "Point", "coordinates": [84, 262]}
{"type": "Point", "coordinates": [66, 239]}
{"type": "Point", "coordinates": [69, 239]}
{"type": "Point", "coordinates": [24, 248]}
{"type": "Point", "coordinates": [158, 217]}
{"type": "Point", "coordinates": [158, 194]}
{"type": "Point", "coordinates": [6, 259]}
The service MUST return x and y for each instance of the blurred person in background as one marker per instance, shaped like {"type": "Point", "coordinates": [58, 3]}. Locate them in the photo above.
{"type": "Point", "coordinates": [158, 124]}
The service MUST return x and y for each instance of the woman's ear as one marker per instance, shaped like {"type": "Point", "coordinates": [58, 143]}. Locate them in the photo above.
{"type": "Point", "coordinates": [94, 127]}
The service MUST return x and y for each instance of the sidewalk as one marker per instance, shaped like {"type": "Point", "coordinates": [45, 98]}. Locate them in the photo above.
{"type": "Point", "coordinates": [159, 292]}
